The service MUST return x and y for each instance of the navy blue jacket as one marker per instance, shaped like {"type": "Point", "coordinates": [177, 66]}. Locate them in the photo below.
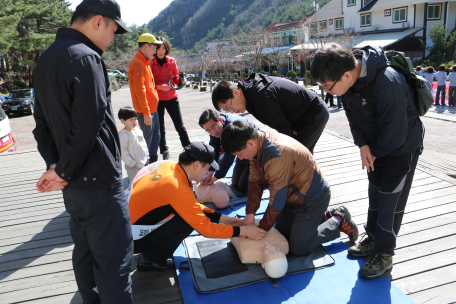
{"type": "Point", "coordinates": [281, 103]}
{"type": "Point", "coordinates": [75, 125]}
{"type": "Point", "coordinates": [392, 132]}
{"type": "Point", "coordinates": [216, 143]}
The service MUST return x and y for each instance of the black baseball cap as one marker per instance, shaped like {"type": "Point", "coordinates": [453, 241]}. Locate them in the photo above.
{"type": "Point", "coordinates": [105, 8]}
{"type": "Point", "coordinates": [202, 152]}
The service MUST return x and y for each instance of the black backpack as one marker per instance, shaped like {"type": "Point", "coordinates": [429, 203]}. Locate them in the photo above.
{"type": "Point", "coordinates": [422, 89]}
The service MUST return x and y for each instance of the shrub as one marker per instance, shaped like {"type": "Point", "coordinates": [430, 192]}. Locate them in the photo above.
{"type": "Point", "coordinates": [308, 76]}
{"type": "Point", "coordinates": [235, 75]}
{"type": "Point", "coordinates": [21, 84]}
{"type": "Point", "coordinates": [275, 73]}
{"type": "Point", "coordinates": [263, 72]}
{"type": "Point", "coordinates": [243, 74]}
{"type": "Point", "coordinates": [292, 74]}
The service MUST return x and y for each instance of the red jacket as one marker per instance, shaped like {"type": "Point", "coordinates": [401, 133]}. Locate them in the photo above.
{"type": "Point", "coordinates": [162, 75]}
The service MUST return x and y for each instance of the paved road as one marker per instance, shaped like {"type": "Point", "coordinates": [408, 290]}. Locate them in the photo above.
{"type": "Point", "coordinates": [440, 122]}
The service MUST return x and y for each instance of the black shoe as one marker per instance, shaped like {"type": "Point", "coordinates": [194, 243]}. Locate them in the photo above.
{"type": "Point", "coordinates": [377, 265]}
{"type": "Point", "coordinates": [347, 225]}
{"type": "Point", "coordinates": [331, 211]}
{"type": "Point", "coordinates": [150, 266]}
{"type": "Point", "coordinates": [363, 248]}
{"type": "Point", "coordinates": [166, 155]}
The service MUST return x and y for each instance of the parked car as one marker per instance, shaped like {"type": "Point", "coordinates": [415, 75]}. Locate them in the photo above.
{"type": "Point", "coordinates": [7, 142]}
{"type": "Point", "coordinates": [20, 101]}
{"type": "Point", "coordinates": [115, 73]}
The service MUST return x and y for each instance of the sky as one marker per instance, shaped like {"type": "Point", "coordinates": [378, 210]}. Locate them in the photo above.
{"type": "Point", "coordinates": [136, 11]}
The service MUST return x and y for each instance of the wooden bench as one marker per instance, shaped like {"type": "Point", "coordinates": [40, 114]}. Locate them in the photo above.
{"type": "Point", "coordinates": [203, 89]}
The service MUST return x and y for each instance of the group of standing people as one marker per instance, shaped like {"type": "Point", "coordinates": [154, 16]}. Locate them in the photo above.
{"type": "Point", "coordinates": [441, 77]}
{"type": "Point", "coordinates": [78, 140]}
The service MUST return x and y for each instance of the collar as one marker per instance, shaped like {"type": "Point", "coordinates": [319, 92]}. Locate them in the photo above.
{"type": "Point", "coordinates": [67, 33]}
{"type": "Point", "coordinates": [143, 57]}
{"type": "Point", "coordinates": [261, 138]}
{"type": "Point", "coordinates": [184, 173]}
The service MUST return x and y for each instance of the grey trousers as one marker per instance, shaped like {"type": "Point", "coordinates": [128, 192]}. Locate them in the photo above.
{"type": "Point", "coordinates": [305, 228]}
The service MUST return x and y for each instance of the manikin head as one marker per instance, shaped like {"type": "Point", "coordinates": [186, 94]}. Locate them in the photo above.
{"type": "Point", "coordinates": [275, 263]}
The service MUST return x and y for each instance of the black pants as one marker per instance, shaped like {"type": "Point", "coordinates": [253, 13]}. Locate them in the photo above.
{"type": "Point", "coordinates": [389, 188]}
{"type": "Point", "coordinates": [241, 174]}
{"type": "Point", "coordinates": [172, 106]}
{"type": "Point", "coordinates": [310, 133]}
{"type": "Point", "coordinates": [305, 227]}
{"type": "Point", "coordinates": [329, 98]}
{"type": "Point", "coordinates": [103, 244]}
{"type": "Point", "coordinates": [160, 244]}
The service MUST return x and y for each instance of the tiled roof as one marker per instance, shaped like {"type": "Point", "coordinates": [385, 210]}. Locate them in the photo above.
{"type": "Point", "coordinates": [272, 28]}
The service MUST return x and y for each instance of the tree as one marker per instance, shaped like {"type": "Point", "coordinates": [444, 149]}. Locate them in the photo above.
{"type": "Point", "coordinates": [441, 40]}
{"type": "Point", "coordinates": [252, 44]}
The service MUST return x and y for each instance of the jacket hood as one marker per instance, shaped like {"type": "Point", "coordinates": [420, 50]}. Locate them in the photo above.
{"type": "Point", "coordinates": [373, 59]}
{"type": "Point", "coordinates": [257, 81]}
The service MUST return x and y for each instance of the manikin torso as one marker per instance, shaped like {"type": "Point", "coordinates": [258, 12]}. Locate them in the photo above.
{"type": "Point", "coordinates": [218, 193]}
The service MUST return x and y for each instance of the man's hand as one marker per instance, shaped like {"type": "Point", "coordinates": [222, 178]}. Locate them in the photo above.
{"type": "Point", "coordinates": [185, 81]}
{"type": "Point", "coordinates": [252, 232]}
{"type": "Point", "coordinates": [209, 179]}
{"type": "Point", "coordinates": [134, 166]}
{"type": "Point", "coordinates": [164, 87]}
{"type": "Point", "coordinates": [228, 220]}
{"type": "Point", "coordinates": [367, 159]}
{"type": "Point", "coordinates": [295, 132]}
{"type": "Point", "coordinates": [148, 120]}
{"type": "Point", "coordinates": [249, 219]}
{"type": "Point", "coordinates": [48, 180]}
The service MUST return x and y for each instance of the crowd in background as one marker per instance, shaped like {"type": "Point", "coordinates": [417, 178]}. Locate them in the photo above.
{"type": "Point", "coordinates": [441, 77]}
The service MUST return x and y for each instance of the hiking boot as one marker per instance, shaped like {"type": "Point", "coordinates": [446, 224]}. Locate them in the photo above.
{"type": "Point", "coordinates": [377, 265]}
{"type": "Point", "coordinates": [166, 155]}
{"type": "Point", "coordinates": [330, 211]}
{"type": "Point", "coordinates": [363, 248]}
{"type": "Point", "coordinates": [146, 265]}
{"type": "Point", "coordinates": [347, 225]}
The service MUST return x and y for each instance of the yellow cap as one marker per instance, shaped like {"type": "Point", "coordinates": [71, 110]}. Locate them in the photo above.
{"type": "Point", "coordinates": [149, 38]}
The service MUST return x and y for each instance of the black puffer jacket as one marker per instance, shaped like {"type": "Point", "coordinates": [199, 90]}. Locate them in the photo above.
{"type": "Point", "coordinates": [281, 103]}
{"type": "Point", "coordinates": [392, 132]}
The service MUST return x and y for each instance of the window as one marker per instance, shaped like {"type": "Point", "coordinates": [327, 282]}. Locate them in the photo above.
{"type": "Point", "coordinates": [351, 2]}
{"type": "Point", "coordinates": [339, 23]}
{"type": "Point", "coordinates": [322, 25]}
{"type": "Point", "coordinates": [330, 22]}
{"type": "Point", "coordinates": [434, 11]}
{"type": "Point", "coordinates": [387, 12]}
{"type": "Point", "coordinates": [313, 26]}
{"type": "Point", "coordinates": [366, 20]}
{"type": "Point", "coordinates": [366, 2]}
{"type": "Point", "coordinates": [400, 14]}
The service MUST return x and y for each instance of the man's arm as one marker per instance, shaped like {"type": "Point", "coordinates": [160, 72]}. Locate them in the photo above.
{"type": "Point", "coordinates": [138, 87]}
{"type": "Point", "coordinates": [225, 165]}
{"type": "Point", "coordinates": [86, 81]}
{"type": "Point", "coordinates": [278, 172]}
{"type": "Point", "coordinates": [214, 142]}
{"type": "Point", "coordinates": [43, 136]}
{"type": "Point", "coordinates": [254, 193]}
{"type": "Point", "coordinates": [391, 103]}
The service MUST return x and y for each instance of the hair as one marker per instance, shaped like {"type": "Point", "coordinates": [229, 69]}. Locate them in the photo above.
{"type": "Point", "coordinates": [418, 68]}
{"type": "Point", "coordinates": [442, 67]}
{"type": "Point", "coordinates": [453, 68]}
{"type": "Point", "coordinates": [166, 44]}
{"type": "Point", "coordinates": [207, 115]}
{"type": "Point", "coordinates": [331, 62]}
{"type": "Point", "coordinates": [430, 70]}
{"type": "Point", "coordinates": [236, 135]}
{"type": "Point", "coordinates": [127, 113]}
{"type": "Point", "coordinates": [222, 92]}
{"type": "Point", "coordinates": [83, 16]}
{"type": "Point", "coordinates": [186, 159]}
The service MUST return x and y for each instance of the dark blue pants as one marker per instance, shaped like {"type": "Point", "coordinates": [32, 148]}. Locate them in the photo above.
{"type": "Point", "coordinates": [389, 188]}
{"type": "Point", "coordinates": [241, 174]}
{"type": "Point", "coordinates": [172, 106]}
{"type": "Point", "coordinates": [151, 135]}
{"type": "Point", "coordinates": [441, 90]}
{"type": "Point", "coordinates": [103, 244]}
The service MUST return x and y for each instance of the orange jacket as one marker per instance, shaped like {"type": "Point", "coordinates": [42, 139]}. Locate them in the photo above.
{"type": "Point", "coordinates": [166, 191]}
{"type": "Point", "coordinates": [142, 85]}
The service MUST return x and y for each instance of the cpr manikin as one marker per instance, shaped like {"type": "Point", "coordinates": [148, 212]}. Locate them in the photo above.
{"type": "Point", "coordinates": [218, 193]}
{"type": "Point", "coordinates": [270, 252]}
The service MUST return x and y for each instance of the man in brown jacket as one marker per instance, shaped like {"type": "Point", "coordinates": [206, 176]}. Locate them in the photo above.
{"type": "Point", "coordinates": [299, 193]}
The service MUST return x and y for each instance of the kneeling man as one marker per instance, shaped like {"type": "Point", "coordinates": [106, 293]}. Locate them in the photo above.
{"type": "Point", "coordinates": [299, 194]}
{"type": "Point", "coordinates": [164, 209]}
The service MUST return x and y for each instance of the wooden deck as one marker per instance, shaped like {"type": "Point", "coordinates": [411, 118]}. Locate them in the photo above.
{"type": "Point", "coordinates": [35, 244]}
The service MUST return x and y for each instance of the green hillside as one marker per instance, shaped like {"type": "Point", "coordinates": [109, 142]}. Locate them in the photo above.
{"type": "Point", "coordinates": [193, 22]}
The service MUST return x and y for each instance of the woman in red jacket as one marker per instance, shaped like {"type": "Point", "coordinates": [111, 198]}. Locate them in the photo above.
{"type": "Point", "coordinates": [164, 68]}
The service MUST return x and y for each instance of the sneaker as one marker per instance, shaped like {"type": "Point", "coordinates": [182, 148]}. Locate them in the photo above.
{"type": "Point", "coordinates": [365, 247]}
{"type": "Point", "coordinates": [347, 225]}
{"type": "Point", "coordinates": [166, 155]}
{"type": "Point", "coordinates": [330, 211]}
{"type": "Point", "coordinates": [377, 265]}
{"type": "Point", "coordinates": [150, 266]}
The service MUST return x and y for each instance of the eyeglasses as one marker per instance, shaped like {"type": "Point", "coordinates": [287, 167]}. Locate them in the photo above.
{"type": "Point", "coordinates": [227, 110]}
{"type": "Point", "coordinates": [211, 129]}
{"type": "Point", "coordinates": [330, 89]}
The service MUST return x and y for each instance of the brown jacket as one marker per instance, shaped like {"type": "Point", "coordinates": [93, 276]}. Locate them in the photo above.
{"type": "Point", "coordinates": [288, 169]}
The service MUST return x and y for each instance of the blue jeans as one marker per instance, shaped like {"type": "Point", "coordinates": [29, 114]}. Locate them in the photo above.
{"type": "Point", "coordinates": [151, 135]}
{"type": "Point", "coordinates": [440, 88]}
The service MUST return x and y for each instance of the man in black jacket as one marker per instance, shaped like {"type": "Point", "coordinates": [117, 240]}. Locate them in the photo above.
{"type": "Point", "coordinates": [77, 137]}
{"type": "Point", "coordinates": [279, 103]}
{"type": "Point", "coordinates": [389, 140]}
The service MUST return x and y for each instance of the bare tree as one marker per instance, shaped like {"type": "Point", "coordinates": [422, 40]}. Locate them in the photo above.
{"type": "Point", "coordinates": [252, 44]}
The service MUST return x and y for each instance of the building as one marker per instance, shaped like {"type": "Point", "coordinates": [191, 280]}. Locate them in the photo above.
{"type": "Point", "coordinates": [391, 24]}
{"type": "Point", "coordinates": [222, 43]}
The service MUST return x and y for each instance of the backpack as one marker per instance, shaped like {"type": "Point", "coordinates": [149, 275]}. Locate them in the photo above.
{"type": "Point", "coordinates": [421, 88]}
